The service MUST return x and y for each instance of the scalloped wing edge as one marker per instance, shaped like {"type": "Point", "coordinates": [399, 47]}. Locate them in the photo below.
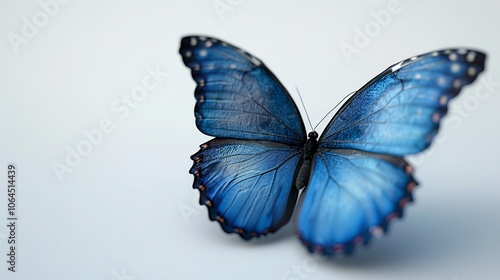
{"type": "Point", "coordinates": [214, 216]}
{"type": "Point", "coordinates": [377, 231]}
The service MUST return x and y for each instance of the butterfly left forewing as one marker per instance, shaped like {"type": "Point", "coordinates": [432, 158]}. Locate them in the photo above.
{"type": "Point", "coordinates": [238, 96]}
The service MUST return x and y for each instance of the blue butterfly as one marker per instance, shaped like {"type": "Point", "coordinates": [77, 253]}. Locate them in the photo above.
{"type": "Point", "coordinates": [356, 180]}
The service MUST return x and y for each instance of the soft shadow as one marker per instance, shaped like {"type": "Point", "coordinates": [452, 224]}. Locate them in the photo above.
{"type": "Point", "coordinates": [431, 233]}
{"type": "Point", "coordinates": [215, 233]}
{"type": "Point", "coordinates": [284, 233]}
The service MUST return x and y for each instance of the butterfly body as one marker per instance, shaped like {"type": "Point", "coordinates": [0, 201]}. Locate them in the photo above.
{"type": "Point", "coordinates": [310, 149]}
{"type": "Point", "coordinates": [354, 177]}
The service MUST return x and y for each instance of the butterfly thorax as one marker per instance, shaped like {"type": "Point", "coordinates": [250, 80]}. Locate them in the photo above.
{"type": "Point", "coordinates": [310, 149]}
{"type": "Point", "coordinates": [311, 145]}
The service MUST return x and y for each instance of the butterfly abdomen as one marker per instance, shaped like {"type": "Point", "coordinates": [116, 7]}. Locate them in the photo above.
{"type": "Point", "coordinates": [303, 174]}
{"type": "Point", "coordinates": [310, 149]}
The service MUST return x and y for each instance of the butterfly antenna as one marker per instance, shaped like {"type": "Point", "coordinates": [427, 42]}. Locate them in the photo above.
{"type": "Point", "coordinates": [341, 101]}
{"type": "Point", "coordinates": [305, 109]}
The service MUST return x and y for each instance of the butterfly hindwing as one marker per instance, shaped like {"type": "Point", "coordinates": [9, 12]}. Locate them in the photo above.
{"type": "Point", "coordinates": [351, 196]}
{"type": "Point", "coordinates": [399, 111]}
{"type": "Point", "coordinates": [246, 185]}
{"type": "Point", "coordinates": [238, 96]}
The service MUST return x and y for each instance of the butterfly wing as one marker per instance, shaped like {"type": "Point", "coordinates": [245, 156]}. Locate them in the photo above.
{"type": "Point", "coordinates": [399, 111]}
{"type": "Point", "coordinates": [359, 181]}
{"type": "Point", "coordinates": [351, 196]}
{"type": "Point", "coordinates": [246, 185]}
{"type": "Point", "coordinates": [246, 179]}
{"type": "Point", "coordinates": [238, 96]}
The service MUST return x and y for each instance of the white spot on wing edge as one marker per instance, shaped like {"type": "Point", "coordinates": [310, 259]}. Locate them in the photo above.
{"type": "Point", "coordinates": [397, 66]}
{"type": "Point", "coordinates": [377, 231]}
{"type": "Point", "coordinates": [193, 41]}
{"type": "Point", "coordinates": [442, 100]}
{"type": "Point", "coordinates": [471, 56]}
{"type": "Point", "coordinates": [255, 61]}
{"type": "Point", "coordinates": [201, 99]}
{"type": "Point", "coordinates": [471, 71]}
{"type": "Point", "coordinates": [453, 56]}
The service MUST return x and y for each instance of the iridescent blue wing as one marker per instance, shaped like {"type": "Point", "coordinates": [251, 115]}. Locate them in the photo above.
{"type": "Point", "coordinates": [238, 96]}
{"type": "Point", "coordinates": [359, 181]}
{"type": "Point", "coordinates": [351, 196]}
{"type": "Point", "coordinates": [246, 185]}
{"type": "Point", "coordinates": [398, 112]}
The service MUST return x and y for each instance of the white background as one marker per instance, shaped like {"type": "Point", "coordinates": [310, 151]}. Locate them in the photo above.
{"type": "Point", "coordinates": [128, 211]}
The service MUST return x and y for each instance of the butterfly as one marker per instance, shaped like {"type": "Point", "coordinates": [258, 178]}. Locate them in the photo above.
{"type": "Point", "coordinates": [354, 177]}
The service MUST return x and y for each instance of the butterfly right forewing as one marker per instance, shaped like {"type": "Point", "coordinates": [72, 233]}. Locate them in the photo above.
{"type": "Point", "coordinates": [400, 110]}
